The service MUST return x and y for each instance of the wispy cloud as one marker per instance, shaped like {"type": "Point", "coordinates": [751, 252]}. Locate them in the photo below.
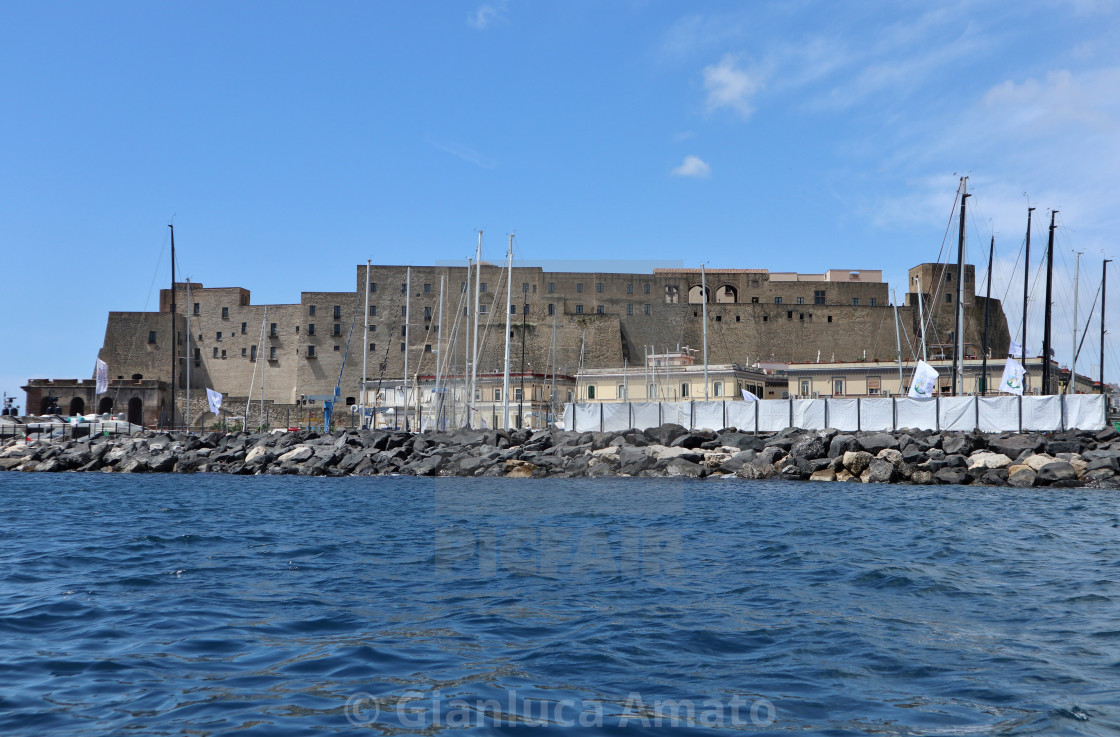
{"type": "Point", "coordinates": [694, 167]}
{"type": "Point", "coordinates": [728, 86]}
{"type": "Point", "coordinates": [466, 154]}
{"type": "Point", "coordinates": [487, 14]}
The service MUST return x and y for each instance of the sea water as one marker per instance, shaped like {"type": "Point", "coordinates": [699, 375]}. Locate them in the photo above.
{"type": "Point", "coordinates": [211, 604]}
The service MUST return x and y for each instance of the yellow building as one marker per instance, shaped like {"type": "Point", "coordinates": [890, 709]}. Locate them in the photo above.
{"type": "Point", "coordinates": [675, 376]}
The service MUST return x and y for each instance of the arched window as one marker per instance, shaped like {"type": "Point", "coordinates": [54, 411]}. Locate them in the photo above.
{"type": "Point", "coordinates": [717, 389]}
{"type": "Point", "coordinates": [727, 294]}
{"type": "Point", "coordinates": [591, 391]}
{"type": "Point", "coordinates": [696, 295]}
{"type": "Point", "coordinates": [105, 406]}
{"type": "Point", "coordinates": [77, 406]}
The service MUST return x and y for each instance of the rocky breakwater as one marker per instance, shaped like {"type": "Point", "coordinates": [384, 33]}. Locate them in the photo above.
{"type": "Point", "coordinates": [906, 457]}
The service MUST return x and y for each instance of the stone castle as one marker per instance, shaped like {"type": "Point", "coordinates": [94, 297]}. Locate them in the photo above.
{"type": "Point", "coordinates": [595, 320]}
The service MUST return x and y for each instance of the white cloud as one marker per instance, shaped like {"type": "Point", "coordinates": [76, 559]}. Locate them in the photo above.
{"type": "Point", "coordinates": [487, 14]}
{"type": "Point", "coordinates": [693, 166]}
{"type": "Point", "coordinates": [466, 154]}
{"type": "Point", "coordinates": [728, 86]}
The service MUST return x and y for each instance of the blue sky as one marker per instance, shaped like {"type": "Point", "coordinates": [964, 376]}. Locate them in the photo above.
{"type": "Point", "coordinates": [291, 141]}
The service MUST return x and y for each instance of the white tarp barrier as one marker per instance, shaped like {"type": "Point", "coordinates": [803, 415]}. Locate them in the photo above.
{"type": "Point", "coordinates": [678, 413]}
{"type": "Point", "coordinates": [741, 415]}
{"type": "Point", "coordinates": [808, 413]}
{"type": "Point", "coordinates": [916, 413]}
{"type": "Point", "coordinates": [1042, 413]}
{"type": "Point", "coordinates": [958, 414]}
{"type": "Point", "coordinates": [645, 415]}
{"type": "Point", "coordinates": [843, 414]}
{"type": "Point", "coordinates": [708, 415]}
{"type": "Point", "coordinates": [587, 417]}
{"type": "Point", "coordinates": [616, 417]}
{"type": "Point", "coordinates": [773, 415]}
{"type": "Point", "coordinates": [1085, 411]}
{"type": "Point", "coordinates": [998, 414]}
{"type": "Point", "coordinates": [569, 416]}
{"type": "Point", "coordinates": [876, 413]}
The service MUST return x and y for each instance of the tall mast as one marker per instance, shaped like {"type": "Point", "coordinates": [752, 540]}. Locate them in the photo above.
{"type": "Point", "coordinates": [1104, 279]}
{"type": "Point", "coordinates": [921, 322]}
{"type": "Point", "coordinates": [958, 354]}
{"type": "Point", "coordinates": [1073, 368]}
{"type": "Point", "coordinates": [1026, 284]}
{"type": "Point", "coordinates": [174, 329]}
{"type": "Point", "coordinates": [704, 297]}
{"type": "Point", "coordinates": [509, 305]}
{"type": "Point", "coordinates": [552, 390]}
{"type": "Point", "coordinates": [474, 348]}
{"type": "Point", "coordinates": [187, 418]}
{"type": "Point", "coordinates": [897, 342]}
{"type": "Point", "coordinates": [439, 354]}
{"type": "Point", "coordinates": [365, 351]}
{"type": "Point", "coordinates": [467, 350]}
{"type": "Point", "coordinates": [521, 402]}
{"type": "Point", "coordinates": [407, 307]}
{"type": "Point", "coordinates": [987, 301]}
{"type": "Point", "coordinates": [260, 358]}
{"type": "Point", "coordinates": [1049, 304]}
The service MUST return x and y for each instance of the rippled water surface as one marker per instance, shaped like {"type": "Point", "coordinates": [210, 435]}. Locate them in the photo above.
{"type": "Point", "coordinates": [260, 605]}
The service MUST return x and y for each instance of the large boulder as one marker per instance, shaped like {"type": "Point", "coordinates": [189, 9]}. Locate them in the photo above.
{"type": "Point", "coordinates": [298, 454]}
{"type": "Point", "coordinates": [732, 464]}
{"type": "Point", "coordinates": [825, 474]}
{"type": "Point", "coordinates": [952, 444]}
{"type": "Point", "coordinates": [881, 471]}
{"type": "Point", "coordinates": [1037, 461]}
{"type": "Point", "coordinates": [1057, 471]}
{"type": "Point", "coordinates": [1021, 476]}
{"type": "Point", "coordinates": [877, 441]}
{"type": "Point", "coordinates": [856, 461]}
{"type": "Point", "coordinates": [681, 467]}
{"type": "Point", "coordinates": [633, 461]}
{"type": "Point", "coordinates": [1014, 445]}
{"type": "Point", "coordinates": [666, 434]}
{"type": "Point", "coordinates": [985, 459]}
{"type": "Point", "coordinates": [809, 447]}
{"type": "Point", "coordinates": [951, 476]}
{"type": "Point", "coordinates": [842, 444]}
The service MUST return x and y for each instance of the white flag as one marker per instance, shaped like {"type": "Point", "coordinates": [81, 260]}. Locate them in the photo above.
{"type": "Point", "coordinates": [215, 400]}
{"type": "Point", "coordinates": [749, 396]}
{"type": "Point", "coordinates": [925, 379]}
{"type": "Point", "coordinates": [1015, 349]}
{"type": "Point", "coordinates": [1012, 381]}
{"type": "Point", "coordinates": [102, 374]}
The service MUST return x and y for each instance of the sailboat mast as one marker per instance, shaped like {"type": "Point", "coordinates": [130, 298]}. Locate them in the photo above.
{"type": "Point", "coordinates": [474, 348]}
{"type": "Point", "coordinates": [187, 418]}
{"type": "Point", "coordinates": [552, 389]}
{"type": "Point", "coordinates": [897, 341]}
{"type": "Point", "coordinates": [521, 402]}
{"type": "Point", "coordinates": [1026, 284]}
{"type": "Point", "coordinates": [467, 349]}
{"type": "Point", "coordinates": [921, 322]}
{"type": "Point", "coordinates": [1073, 368]}
{"type": "Point", "coordinates": [1049, 303]}
{"type": "Point", "coordinates": [174, 329]}
{"type": "Point", "coordinates": [407, 306]}
{"type": "Point", "coordinates": [509, 305]}
{"type": "Point", "coordinates": [1104, 280]}
{"type": "Point", "coordinates": [958, 354]}
{"type": "Point", "coordinates": [260, 357]}
{"type": "Point", "coordinates": [704, 297]}
{"type": "Point", "coordinates": [365, 359]}
{"type": "Point", "coordinates": [438, 399]}
{"type": "Point", "coordinates": [987, 302]}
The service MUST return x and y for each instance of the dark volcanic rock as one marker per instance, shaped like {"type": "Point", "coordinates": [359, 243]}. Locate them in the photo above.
{"type": "Point", "coordinates": [875, 442]}
{"type": "Point", "coordinates": [842, 444]}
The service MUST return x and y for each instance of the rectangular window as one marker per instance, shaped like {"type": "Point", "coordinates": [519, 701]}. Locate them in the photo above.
{"type": "Point", "coordinates": [311, 328]}
{"type": "Point", "coordinates": [482, 287]}
{"type": "Point", "coordinates": [427, 313]}
{"type": "Point", "coordinates": [215, 351]}
{"type": "Point", "coordinates": [311, 351]}
{"type": "Point", "coordinates": [196, 308]}
{"type": "Point", "coordinates": [311, 310]}
{"type": "Point", "coordinates": [483, 309]}
{"type": "Point", "coordinates": [599, 309]}
{"type": "Point", "coordinates": [373, 328]}
{"type": "Point", "coordinates": [373, 286]}
{"type": "Point", "coordinates": [513, 309]}
{"type": "Point", "coordinates": [151, 336]}
{"type": "Point", "coordinates": [225, 313]}
{"type": "Point", "coordinates": [949, 277]}
{"type": "Point", "coordinates": [427, 289]}
{"type": "Point", "coordinates": [551, 287]}
{"type": "Point", "coordinates": [338, 312]}
{"type": "Point", "coordinates": [373, 310]}
{"type": "Point", "coordinates": [243, 328]}
{"type": "Point", "coordinates": [579, 286]}
{"type": "Point", "coordinates": [777, 300]}
{"type": "Point", "coordinates": [517, 394]}
{"type": "Point", "coordinates": [684, 390]}
{"type": "Point", "coordinates": [948, 296]}
{"type": "Point", "coordinates": [404, 287]}
{"type": "Point", "coordinates": [272, 329]}
{"type": "Point", "coordinates": [647, 309]}
{"type": "Point", "coordinates": [599, 287]}
{"type": "Point", "coordinates": [754, 300]}
{"type": "Point", "coordinates": [272, 353]}
{"type": "Point", "coordinates": [223, 353]}
{"type": "Point", "coordinates": [629, 309]}
{"type": "Point", "coordinates": [800, 300]}
{"type": "Point", "coordinates": [525, 287]}
{"type": "Point", "coordinates": [629, 288]}
{"type": "Point", "coordinates": [818, 297]}
{"type": "Point", "coordinates": [404, 331]}
{"type": "Point", "coordinates": [402, 347]}
{"type": "Point", "coordinates": [830, 318]}
{"type": "Point", "coordinates": [645, 288]}
{"type": "Point", "coordinates": [552, 309]}
{"type": "Point", "coordinates": [838, 387]}
{"type": "Point", "coordinates": [428, 348]}
{"type": "Point", "coordinates": [252, 353]}
{"type": "Point", "coordinates": [804, 388]}
{"type": "Point", "coordinates": [579, 309]}
{"type": "Point", "coordinates": [218, 335]}
{"type": "Point", "coordinates": [855, 301]}
{"type": "Point", "coordinates": [874, 384]}
{"type": "Point", "coordinates": [872, 302]}
{"type": "Point", "coordinates": [497, 395]}
{"type": "Point", "coordinates": [338, 328]}
{"type": "Point", "coordinates": [372, 347]}
{"type": "Point", "coordinates": [198, 354]}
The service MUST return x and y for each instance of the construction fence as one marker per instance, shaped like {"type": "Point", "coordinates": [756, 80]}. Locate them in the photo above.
{"type": "Point", "coordinates": [958, 414]}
